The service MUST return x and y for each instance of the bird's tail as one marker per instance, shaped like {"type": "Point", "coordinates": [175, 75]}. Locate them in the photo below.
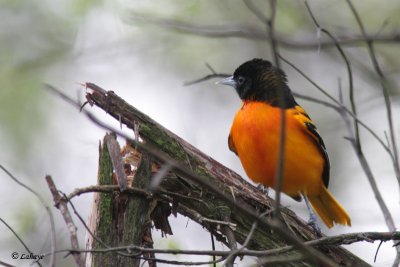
{"type": "Point", "coordinates": [329, 209]}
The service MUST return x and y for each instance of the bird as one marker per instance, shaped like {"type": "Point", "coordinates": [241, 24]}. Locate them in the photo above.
{"type": "Point", "coordinates": [255, 138]}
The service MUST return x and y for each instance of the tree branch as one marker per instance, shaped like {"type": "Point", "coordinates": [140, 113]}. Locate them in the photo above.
{"type": "Point", "coordinates": [385, 90]}
{"type": "Point", "coordinates": [343, 239]}
{"type": "Point", "coordinates": [225, 192]}
{"type": "Point", "coordinates": [43, 203]}
{"type": "Point", "coordinates": [253, 33]}
{"type": "Point", "coordinates": [19, 239]}
{"type": "Point", "coordinates": [62, 206]}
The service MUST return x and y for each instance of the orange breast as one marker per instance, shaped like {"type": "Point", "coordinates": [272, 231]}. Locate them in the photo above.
{"type": "Point", "coordinates": [255, 134]}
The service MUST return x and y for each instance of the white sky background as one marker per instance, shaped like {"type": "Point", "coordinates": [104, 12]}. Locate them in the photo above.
{"type": "Point", "coordinates": [147, 67]}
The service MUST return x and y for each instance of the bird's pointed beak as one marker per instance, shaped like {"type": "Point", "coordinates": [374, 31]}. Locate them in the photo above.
{"type": "Point", "coordinates": [228, 81]}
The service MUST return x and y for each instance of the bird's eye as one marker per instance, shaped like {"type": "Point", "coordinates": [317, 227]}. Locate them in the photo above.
{"type": "Point", "coordinates": [241, 80]}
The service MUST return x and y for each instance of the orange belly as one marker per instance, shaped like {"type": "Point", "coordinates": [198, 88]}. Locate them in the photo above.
{"type": "Point", "coordinates": [255, 134]}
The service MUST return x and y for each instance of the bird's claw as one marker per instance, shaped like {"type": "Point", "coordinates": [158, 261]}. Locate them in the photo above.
{"type": "Point", "coordinates": [263, 189]}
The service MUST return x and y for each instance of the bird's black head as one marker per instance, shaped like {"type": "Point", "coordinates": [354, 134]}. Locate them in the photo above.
{"type": "Point", "coordinates": [259, 80]}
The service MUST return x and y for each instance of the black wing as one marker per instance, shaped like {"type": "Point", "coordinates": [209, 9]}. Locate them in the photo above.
{"type": "Point", "coordinates": [321, 145]}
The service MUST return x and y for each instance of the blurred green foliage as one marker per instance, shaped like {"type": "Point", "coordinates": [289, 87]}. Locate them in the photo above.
{"type": "Point", "coordinates": [34, 36]}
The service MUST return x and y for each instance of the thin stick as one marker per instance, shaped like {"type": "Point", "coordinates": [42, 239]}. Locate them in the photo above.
{"type": "Point", "coordinates": [89, 230]}
{"type": "Point", "coordinates": [19, 239]}
{"type": "Point", "coordinates": [252, 33]}
{"type": "Point", "coordinates": [210, 76]}
{"type": "Point", "coordinates": [343, 239]}
{"type": "Point", "coordinates": [388, 218]}
{"type": "Point", "coordinates": [159, 176]}
{"type": "Point", "coordinates": [48, 210]}
{"type": "Point", "coordinates": [2, 263]}
{"type": "Point", "coordinates": [62, 206]}
{"type": "Point", "coordinates": [273, 260]}
{"type": "Point", "coordinates": [340, 107]}
{"type": "Point", "coordinates": [137, 191]}
{"type": "Point", "coordinates": [282, 138]}
{"type": "Point", "coordinates": [256, 11]}
{"type": "Point", "coordinates": [213, 248]}
{"type": "Point", "coordinates": [230, 235]}
{"type": "Point", "coordinates": [349, 72]}
{"type": "Point", "coordinates": [371, 179]}
{"type": "Point", "coordinates": [231, 257]}
{"type": "Point", "coordinates": [271, 32]}
{"type": "Point", "coordinates": [382, 79]}
{"type": "Point", "coordinates": [108, 189]}
{"type": "Point", "coordinates": [280, 164]}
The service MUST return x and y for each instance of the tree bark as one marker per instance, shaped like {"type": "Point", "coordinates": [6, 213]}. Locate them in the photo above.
{"type": "Point", "coordinates": [118, 219]}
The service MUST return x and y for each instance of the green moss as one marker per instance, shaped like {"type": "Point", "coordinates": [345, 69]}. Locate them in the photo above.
{"type": "Point", "coordinates": [201, 171]}
{"type": "Point", "coordinates": [105, 166]}
{"type": "Point", "coordinates": [163, 141]}
{"type": "Point", "coordinates": [105, 201]}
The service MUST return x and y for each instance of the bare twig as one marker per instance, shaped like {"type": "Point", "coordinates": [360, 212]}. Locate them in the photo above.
{"type": "Point", "coordinates": [207, 77]}
{"type": "Point", "coordinates": [343, 239]}
{"type": "Point", "coordinates": [272, 35]}
{"type": "Point", "coordinates": [230, 235]}
{"type": "Point", "coordinates": [2, 263]}
{"type": "Point", "coordinates": [213, 248]}
{"type": "Point", "coordinates": [343, 111]}
{"type": "Point", "coordinates": [356, 141]}
{"type": "Point", "coordinates": [386, 96]}
{"type": "Point", "coordinates": [377, 250]}
{"type": "Point", "coordinates": [280, 164]}
{"type": "Point", "coordinates": [89, 230]}
{"type": "Point", "coordinates": [62, 206]}
{"type": "Point", "coordinates": [180, 196]}
{"type": "Point", "coordinates": [84, 223]}
{"type": "Point", "coordinates": [253, 33]}
{"type": "Point", "coordinates": [134, 251]}
{"type": "Point", "coordinates": [19, 239]}
{"type": "Point", "coordinates": [231, 257]}
{"type": "Point", "coordinates": [316, 100]}
{"type": "Point", "coordinates": [48, 210]}
{"type": "Point", "coordinates": [256, 11]}
{"type": "Point", "coordinates": [210, 68]}
{"type": "Point", "coordinates": [157, 178]}
{"type": "Point", "coordinates": [297, 95]}
{"type": "Point", "coordinates": [272, 260]}
{"type": "Point", "coordinates": [137, 191]}
{"type": "Point", "coordinates": [108, 189]}
{"type": "Point", "coordinates": [270, 23]}
{"type": "Point", "coordinates": [340, 107]}
{"type": "Point", "coordinates": [201, 219]}
{"type": "Point", "coordinates": [384, 84]}
{"type": "Point", "coordinates": [349, 72]}
{"type": "Point", "coordinates": [368, 172]}
{"type": "Point", "coordinates": [229, 230]}
{"type": "Point", "coordinates": [183, 263]}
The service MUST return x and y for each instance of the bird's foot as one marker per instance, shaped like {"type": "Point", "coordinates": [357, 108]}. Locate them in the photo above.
{"type": "Point", "coordinates": [264, 189]}
{"type": "Point", "coordinates": [312, 221]}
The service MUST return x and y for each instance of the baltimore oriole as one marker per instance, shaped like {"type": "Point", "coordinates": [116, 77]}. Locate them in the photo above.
{"type": "Point", "coordinates": [255, 138]}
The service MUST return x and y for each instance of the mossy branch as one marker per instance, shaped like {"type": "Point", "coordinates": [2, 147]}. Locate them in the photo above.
{"type": "Point", "coordinates": [205, 206]}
